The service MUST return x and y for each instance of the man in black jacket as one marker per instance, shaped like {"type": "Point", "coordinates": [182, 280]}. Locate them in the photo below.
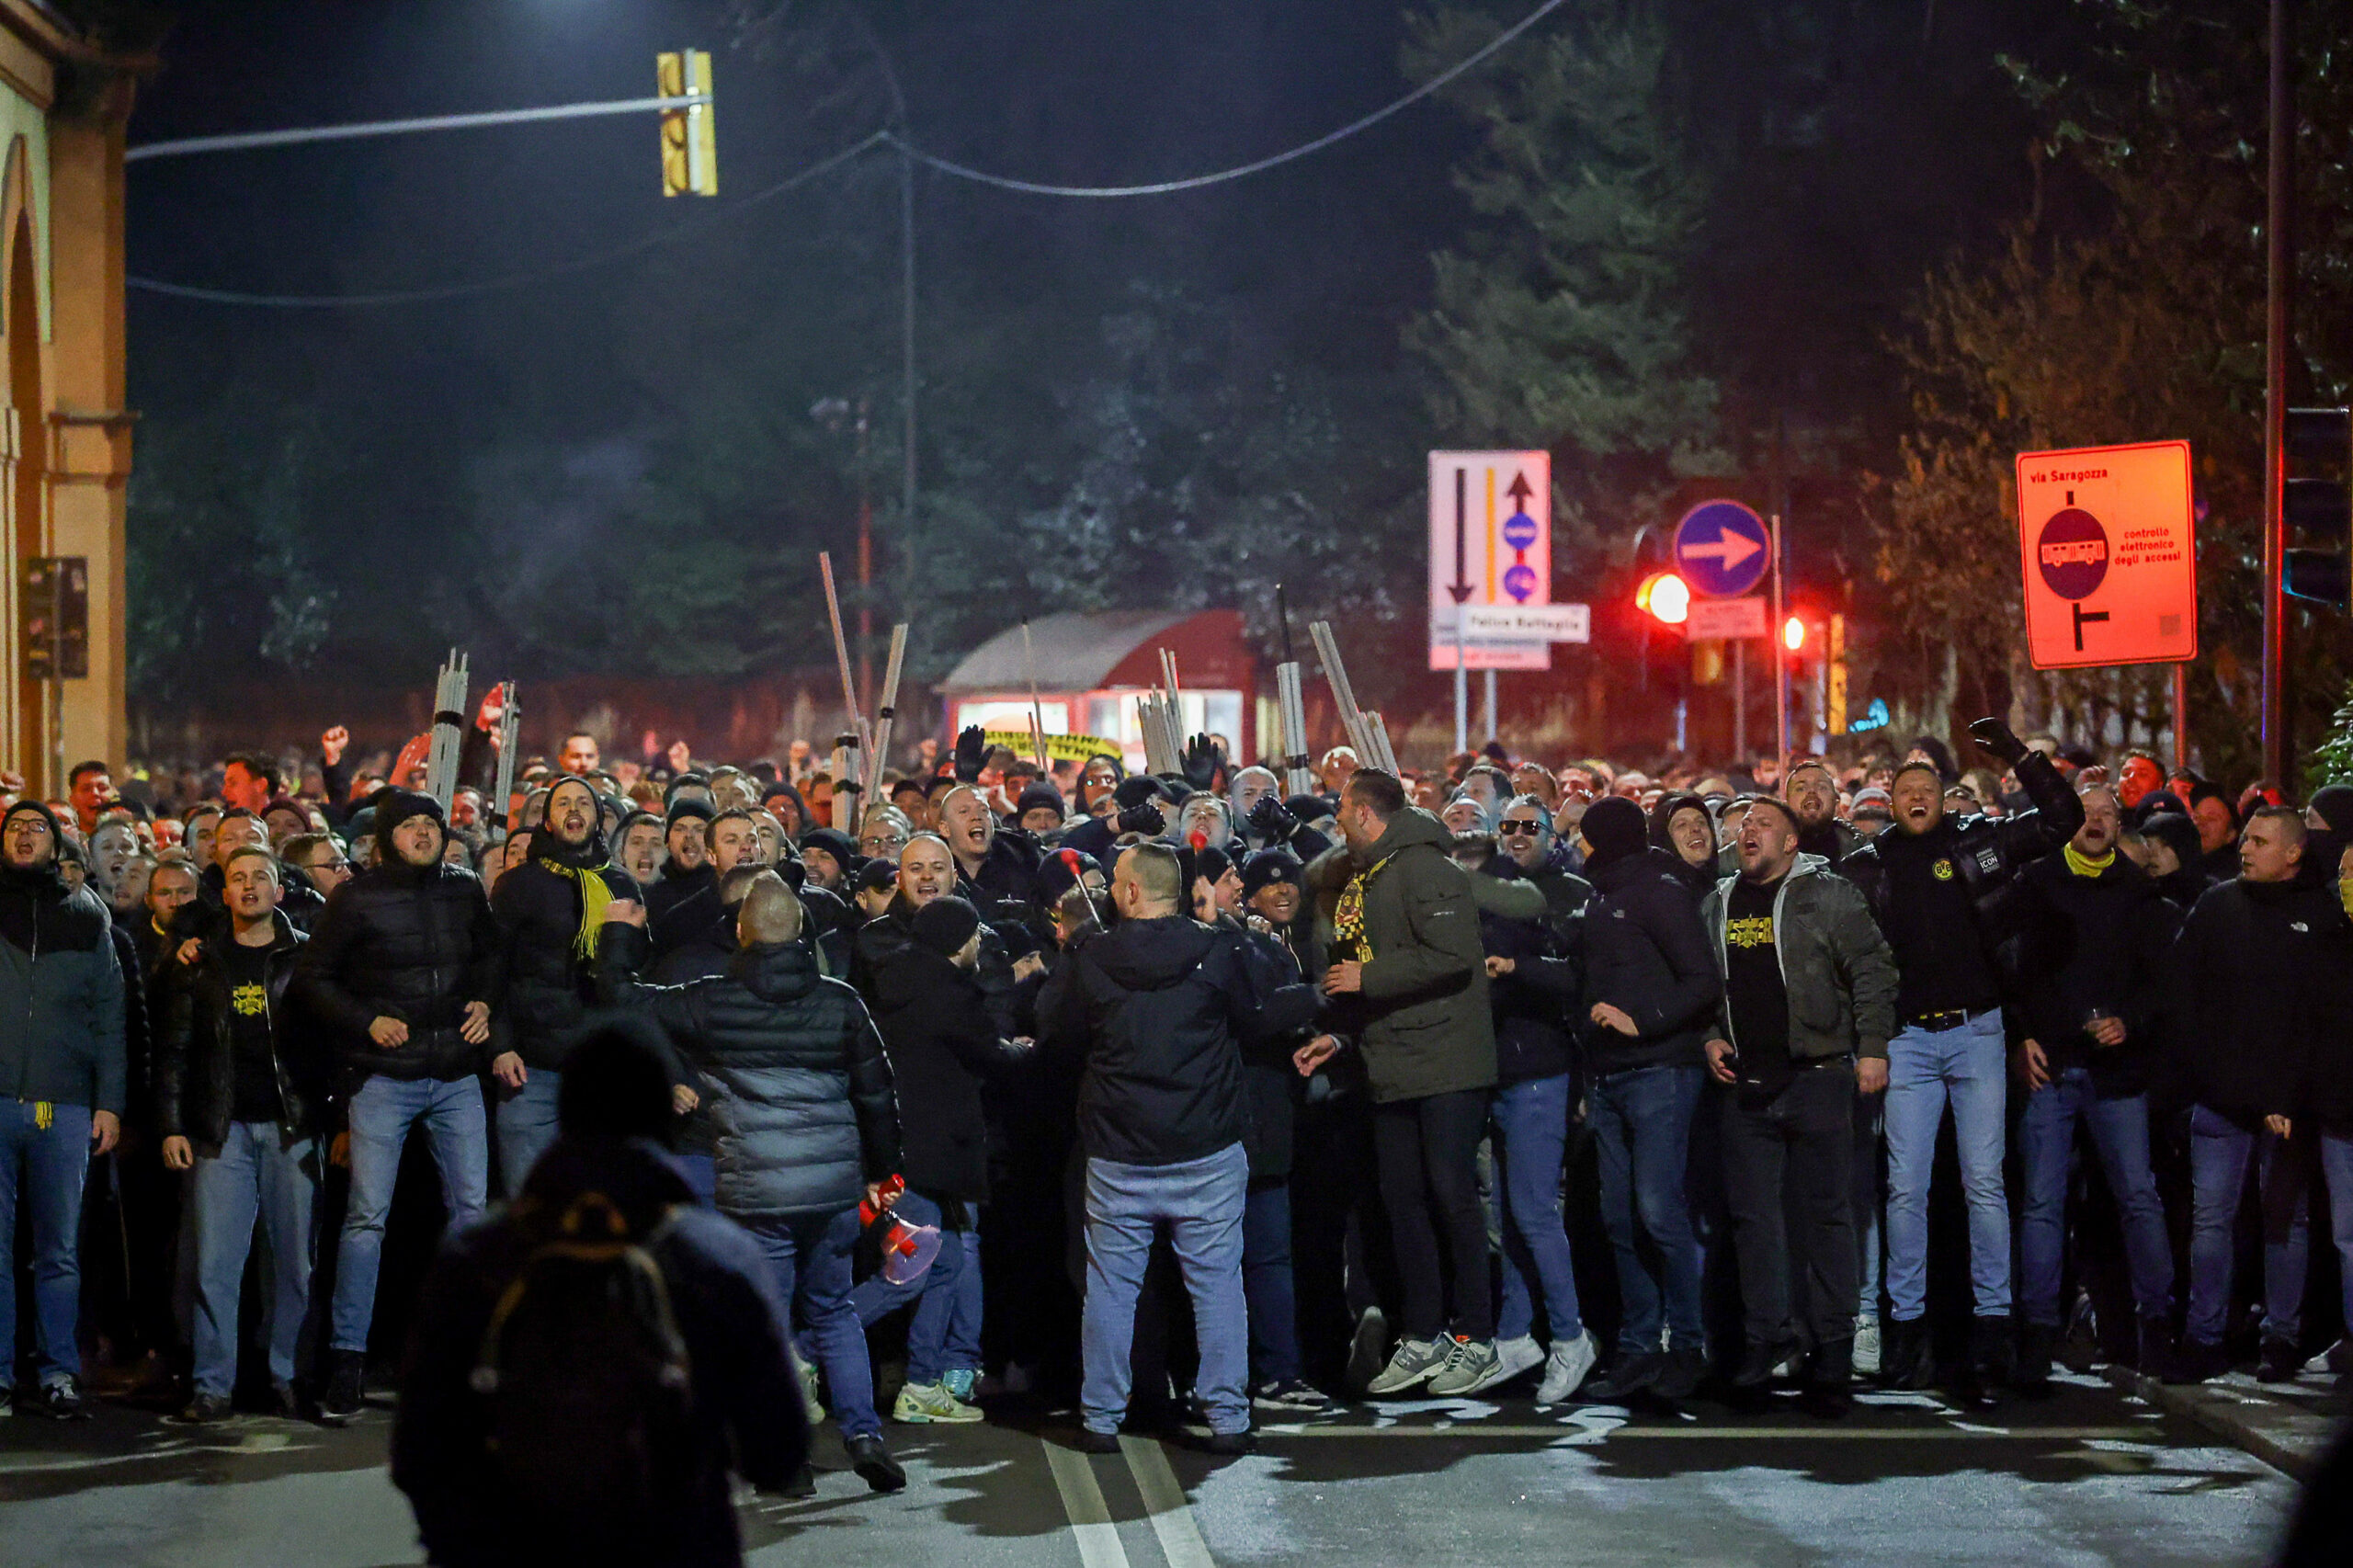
{"type": "Point", "coordinates": [686, 871]}
{"type": "Point", "coordinates": [551, 912]}
{"type": "Point", "coordinates": [935, 1028]}
{"type": "Point", "coordinates": [1944, 892]}
{"type": "Point", "coordinates": [2257, 964]}
{"type": "Point", "coordinates": [240, 1081]}
{"type": "Point", "coordinates": [806, 1125]}
{"type": "Point", "coordinates": [2098, 930]}
{"type": "Point", "coordinates": [742, 1412]}
{"type": "Point", "coordinates": [402, 971]}
{"type": "Point", "coordinates": [1650, 990]}
{"type": "Point", "coordinates": [1157, 1005]}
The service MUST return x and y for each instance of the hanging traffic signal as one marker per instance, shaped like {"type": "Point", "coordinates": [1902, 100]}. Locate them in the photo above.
{"type": "Point", "coordinates": [689, 149]}
{"type": "Point", "coordinates": [2319, 507]}
{"type": "Point", "coordinates": [1666, 596]}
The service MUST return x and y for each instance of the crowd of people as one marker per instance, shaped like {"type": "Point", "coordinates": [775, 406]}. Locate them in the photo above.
{"type": "Point", "coordinates": [1498, 1078]}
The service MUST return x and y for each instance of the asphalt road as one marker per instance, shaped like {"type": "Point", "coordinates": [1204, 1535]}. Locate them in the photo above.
{"type": "Point", "coordinates": [2089, 1476]}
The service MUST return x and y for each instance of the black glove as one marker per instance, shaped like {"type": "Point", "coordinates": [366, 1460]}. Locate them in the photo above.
{"type": "Point", "coordinates": [1272, 821]}
{"type": "Point", "coordinates": [1999, 738]}
{"type": "Point", "coordinates": [972, 751]}
{"type": "Point", "coordinates": [1143, 817]}
{"type": "Point", "coordinates": [1203, 763]}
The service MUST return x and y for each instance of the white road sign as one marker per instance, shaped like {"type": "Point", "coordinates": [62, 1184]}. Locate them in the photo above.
{"type": "Point", "coordinates": [1490, 548]}
{"type": "Point", "coordinates": [1551, 623]}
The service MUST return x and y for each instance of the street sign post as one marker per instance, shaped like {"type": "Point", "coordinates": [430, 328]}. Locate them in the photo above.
{"type": "Point", "coordinates": [1721, 548]}
{"type": "Point", "coordinates": [1549, 623]}
{"type": "Point", "coordinates": [2108, 549]}
{"type": "Point", "coordinates": [1742, 617]}
{"type": "Point", "coordinates": [1490, 548]}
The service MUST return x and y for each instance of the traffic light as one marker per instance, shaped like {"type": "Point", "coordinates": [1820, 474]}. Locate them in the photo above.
{"type": "Point", "coordinates": [1666, 596]}
{"type": "Point", "coordinates": [2319, 507]}
{"type": "Point", "coordinates": [1794, 634]}
{"type": "Point", "coordinates": [689, 149]}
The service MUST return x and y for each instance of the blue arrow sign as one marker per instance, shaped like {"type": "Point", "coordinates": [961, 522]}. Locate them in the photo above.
{"type": "Point", "coordinates": [1721, 548]}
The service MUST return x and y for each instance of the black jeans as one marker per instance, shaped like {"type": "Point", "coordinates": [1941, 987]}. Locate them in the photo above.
{"type": "Point", "coordinates": [1788, 1169]}
{"type": "Point", "coordinates": [1428, 1154]}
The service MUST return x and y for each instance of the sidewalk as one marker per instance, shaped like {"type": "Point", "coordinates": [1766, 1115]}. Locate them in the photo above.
{"type": "Point", "coordinates": [2287, 1426]}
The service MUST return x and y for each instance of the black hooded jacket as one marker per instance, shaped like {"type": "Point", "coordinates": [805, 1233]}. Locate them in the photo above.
{"type": "Point", "coordinates": [1645, 953]}
{"type": "Point", "coordinates": [62, 1025]}
{"type": "Point", "coordinates": [1160, 1008]}
{"type": "Point", "coordinates": [936, 1029]}
{"type": "Point", "coordinates": [1532, 1002]}
{"type": "Point", "coordinates": [2095, 944]}
{"type": "Point", "coordinates": [2258, 974]}
{"type": "Point", "coordinates": [416, 943]}
{"type": "Point", "coordinates": [548, 985]}
{"type": "Point", "coordinates": [680, 906]}
{"type": "Point", "coordinates": [746, 1413]}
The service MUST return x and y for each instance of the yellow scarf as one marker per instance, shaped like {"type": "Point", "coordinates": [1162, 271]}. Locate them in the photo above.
{"type": "Point", "coordinates": [594, 896]}
{"type": "Point", "coordinates": [1348, 917]}
{"type": "Point", "coordinates": [2085, 865]}
{"type": "Point", "coordinates": [2345, 893]}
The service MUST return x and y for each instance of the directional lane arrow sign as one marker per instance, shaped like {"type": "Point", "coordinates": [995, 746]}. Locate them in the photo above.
{"type": "Point", "coordinates": [1721, 548]}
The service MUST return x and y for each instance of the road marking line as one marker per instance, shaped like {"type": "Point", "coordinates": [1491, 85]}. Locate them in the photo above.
{"type": "Point", "coordinates": [1090, 1519]}
{"type": "Point", "coordinates": [2148, 1433]}
{"type": "Point", "coordinates": [1166, 1504]}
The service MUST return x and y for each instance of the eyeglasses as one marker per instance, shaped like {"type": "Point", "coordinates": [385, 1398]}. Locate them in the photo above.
{"type": "Point", "coordinates": [1510, 825]}
{"type": "Point", "coordinates": [331, 866]}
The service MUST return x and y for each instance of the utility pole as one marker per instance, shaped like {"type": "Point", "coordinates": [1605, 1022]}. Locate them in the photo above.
{"type": "Point", "coordinates": [2279, 295]}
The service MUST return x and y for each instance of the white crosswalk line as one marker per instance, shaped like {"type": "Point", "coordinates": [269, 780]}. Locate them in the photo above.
{"type": "Point", "coordinates": [1166, 1504]}
{"type": "Point", "coordinates": [1090, 1520]}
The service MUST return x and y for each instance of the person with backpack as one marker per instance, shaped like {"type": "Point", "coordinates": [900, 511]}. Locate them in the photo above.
{"type": "Point", "coordinates": [806, 1120]}
{"type": "Point", "coordinates": [593, 1359]}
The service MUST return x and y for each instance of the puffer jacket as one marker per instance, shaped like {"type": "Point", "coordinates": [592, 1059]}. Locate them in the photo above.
{"type": "Point", "coordinates": [195, 1062]}
{"type": "Point", "coordinates": [803, 1105]}
{"type": "Point", "coordinates": [549, 986]}
{"type": "Point", "coordinates": [60, 995]}
{"type": "Point", "coordinates": [1647, 954]}
{"type": "Point", "coordinates": [406, 942]}
{"type": "Point", "coordinates": [1836, 966]}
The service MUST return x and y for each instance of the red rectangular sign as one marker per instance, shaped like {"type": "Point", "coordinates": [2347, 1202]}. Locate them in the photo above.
{"type": "Point", "coordinates": [2108, 546]}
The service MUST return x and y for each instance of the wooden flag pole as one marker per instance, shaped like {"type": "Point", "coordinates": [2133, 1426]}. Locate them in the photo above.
{"type": "Point", "coordinates": [1036, 713]}
{"type": "Point", "coordinates": [841, 649]}
{"type": "Point", "coordinates": [888, 714]}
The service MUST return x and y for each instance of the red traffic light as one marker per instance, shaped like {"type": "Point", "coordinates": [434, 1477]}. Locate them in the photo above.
{"type": "Point", "coordinates": [1793, 633]}
{"type": "Point", "coordinates": [1666, 596]}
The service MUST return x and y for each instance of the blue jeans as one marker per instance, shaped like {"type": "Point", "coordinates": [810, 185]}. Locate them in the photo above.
{"type": "Point", "coordinates": [2336, 1169]}
{"type": "Point", "coordinates": [259, 1172]}
{"type": "Point", "coordinates": [526, 1127]}
{"type": "Point", "coordinates": [809, 1257]}
{"type": "Point", "coordinates": [1642, 1127]}
{"type": "Point", "coordinates": [1201, 1202]}
{"type": "Point", "coordinates": [945, 1334]}
{"type": "Point", "coordinates": [1964, 1066]}
{"type": "Point", "coordinates": [1267, 1282]}
{"type": "Point", "coordinates": [48, 1164]}
{"type": "Point", "coordinates": [2119, 1128]}
{"type": "Point", "coordinates": [702, 1172]}
{"type": "Point", "coordinates": [380, 1116]}
{"type": "Point", "coordinates": [1531, 1140]}
{"type": "Point", "coordinates": [2219, 1148]}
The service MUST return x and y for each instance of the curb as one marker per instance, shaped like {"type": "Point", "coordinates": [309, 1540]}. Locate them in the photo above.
{"type": "Point", "coordinates": [2285, 1436]}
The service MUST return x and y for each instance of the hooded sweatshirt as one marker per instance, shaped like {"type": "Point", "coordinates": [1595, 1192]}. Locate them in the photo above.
{"type": "Point", "coordinates": [62, 1019]}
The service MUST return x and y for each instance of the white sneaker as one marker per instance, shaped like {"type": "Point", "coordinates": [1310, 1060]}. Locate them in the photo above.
{"type": "Point", "coordinates": [1566, 1368]}
{"type": "Point", "coordinates": [810, 1402]}
{"type": "Point", "coordinates": [1867, 1344]}
{"type": "Point", "coordinates": [1415, 1362]}
{"type": "Point", "coordinates": [1470, 1365]}
{"type": "Point", "coordinates": [1513, 1356]}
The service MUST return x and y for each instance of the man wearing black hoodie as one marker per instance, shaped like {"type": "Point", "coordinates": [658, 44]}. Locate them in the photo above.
{"type": "Point", "coordinates": [1157, 1005]}
{"type": "Point", "coordinates": [402, 970]}
{"type": "Point", "coordinates": [1651, 991]}
{"type": "Point", "coordinates": [2098, 930]}
{"type": "Point", "coordinates": [685, 874]}
{"type": "Point", "coordinates": [63, 1086]}
{"type": "Point", "coordinates": [1944, 892]}
{"type": "Point", "coordinates": [551, 912]}
{"type": "Point", "coordinates": [2257, 965]}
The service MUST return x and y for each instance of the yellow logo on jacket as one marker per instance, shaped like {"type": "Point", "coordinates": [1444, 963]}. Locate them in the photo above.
{"type": "Point", "coordinates": [1943, 870]}
{"type": "Point", "coordinates": [1752, 931]}
{"type": "Point", "coordinates": [249, 1001]}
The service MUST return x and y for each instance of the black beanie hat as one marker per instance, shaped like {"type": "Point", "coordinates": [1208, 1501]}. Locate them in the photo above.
{"type": "Point", "coordinates": [1212, 862]}
{"type": "Point", "coordinates": [834, 841]}
{"type": "Point", "coordinates": [875, 874]}
{"type": "Point", "coordinates": [1136, 789]}
{"type": "Point", "coordinates": [1307, 808]}
{"type": "Point", "coordinates": [2335, 804]}
{"type": "Point", "coordinates": [1269, 867]}
{"type": "Point", "coordinates": [1038, 796]}
{"type": "Point", "coordinates": [945, 925]}
{"type": "Point", "coordinates": [1615, 828]}
{"type": "Point", "coordinates": [687, 806]}
{"type": "Point", "coordinates": [2175, 832]}
{"type": "Point", "coordinates": [1060, 872]}
{"type": "Point", "coordinates": [394, 807]}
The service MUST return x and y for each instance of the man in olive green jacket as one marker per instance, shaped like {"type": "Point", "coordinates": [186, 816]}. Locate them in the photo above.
{"type": "Point", "coordinates": [1408, 987]}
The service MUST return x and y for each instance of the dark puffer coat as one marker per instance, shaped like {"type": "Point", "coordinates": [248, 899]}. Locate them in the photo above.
{"type": "Point", "coordinates": [1647, 954]}
{"type": "Point", "coordinates": [549, 986]}
{"type": "Point", "coordinates": [802, 1102]}
{"type": "Point", "coordinates": [406, 942]}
